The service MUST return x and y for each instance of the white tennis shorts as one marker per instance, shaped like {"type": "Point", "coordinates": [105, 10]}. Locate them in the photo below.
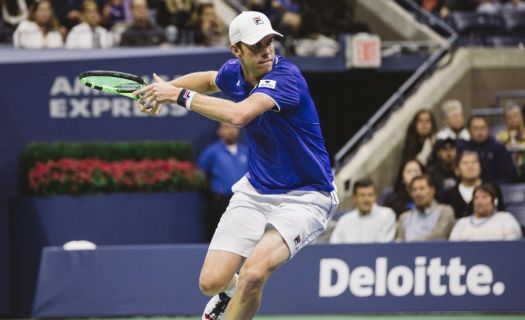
{"type": "Point", "coordinates": [299, 217]}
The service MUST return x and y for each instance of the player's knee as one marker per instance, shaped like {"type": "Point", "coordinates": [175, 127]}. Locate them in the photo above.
{"type": "Point", "coordinates": [253, 277]}
{"type": "Point", "coordinates": [210, 286]}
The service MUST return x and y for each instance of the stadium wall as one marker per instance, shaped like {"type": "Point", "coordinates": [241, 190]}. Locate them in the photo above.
{"type": "Point", "coordinates": [322, 279]}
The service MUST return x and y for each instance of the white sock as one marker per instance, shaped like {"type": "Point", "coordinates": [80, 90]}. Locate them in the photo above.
{"type": "Point", "coordinates": [231, 291]}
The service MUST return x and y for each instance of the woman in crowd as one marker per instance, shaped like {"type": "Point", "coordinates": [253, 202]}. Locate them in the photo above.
{"type": "Point", "coordinates": [40, 30]}
{"type": "Point", "coordinates": [399, 199]}
{"type": "Point", "coordinates": [420, 137]}
{"type": "Point", "coordinates": [486, 223]}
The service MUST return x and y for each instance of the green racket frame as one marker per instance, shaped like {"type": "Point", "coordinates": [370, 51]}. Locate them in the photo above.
{"type": "Point", "coordinates": [113, 82]}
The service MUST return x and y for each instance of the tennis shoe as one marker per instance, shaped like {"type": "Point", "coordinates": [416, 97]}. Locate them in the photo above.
{"type": "Point", "coordinates": [216, 306]}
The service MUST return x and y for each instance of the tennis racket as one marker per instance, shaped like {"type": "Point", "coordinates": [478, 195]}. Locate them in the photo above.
{"type": "Point", "coordinates": [113, 82]}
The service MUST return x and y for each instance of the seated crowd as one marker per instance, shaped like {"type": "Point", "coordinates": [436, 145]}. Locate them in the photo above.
{"type": "Point", "coordinates": [448, 184]}
{"type": "Point", "coordinates": [82, 24]}
{"type": "Point", "coordinates": [443, 8]}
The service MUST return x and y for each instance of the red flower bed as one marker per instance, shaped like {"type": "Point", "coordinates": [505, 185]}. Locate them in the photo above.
{"type": "Point", "coordinates": [78, 176]}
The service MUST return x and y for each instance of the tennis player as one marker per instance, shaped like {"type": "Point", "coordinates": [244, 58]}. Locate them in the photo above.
{"type": "Point", "coordinates": [287, 197]}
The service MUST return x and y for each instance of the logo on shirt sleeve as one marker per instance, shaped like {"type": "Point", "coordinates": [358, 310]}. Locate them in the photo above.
{"type": "Point", "coordinates": [267, 84]}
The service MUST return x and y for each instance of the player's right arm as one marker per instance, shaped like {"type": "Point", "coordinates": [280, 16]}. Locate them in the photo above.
{"type": "Point", "coordinates": [201, 82]}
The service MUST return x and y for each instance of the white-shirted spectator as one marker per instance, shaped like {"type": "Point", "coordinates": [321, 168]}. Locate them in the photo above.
{"type": "Point", "coordinates": [368, 222]}
{"type": "Point", "coordinates": [40, 30]}
{"type": "Point", "coordinates": [486, 223]}
{"type": "Point", "coordinates": [454, 122]}
{"type": "Point", "coordinates": [89, 34]}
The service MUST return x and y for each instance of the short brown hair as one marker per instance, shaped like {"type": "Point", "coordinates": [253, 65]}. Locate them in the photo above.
{"type": "Point", "coordinates": [425, 177]}
{"type": "Point", "coordinates": [362, 183]}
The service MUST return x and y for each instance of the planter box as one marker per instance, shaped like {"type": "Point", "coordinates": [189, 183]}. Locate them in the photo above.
{"type": "Point", "coordinates": [114, 219]}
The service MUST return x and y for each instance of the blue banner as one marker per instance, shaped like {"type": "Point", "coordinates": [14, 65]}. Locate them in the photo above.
{"type": "Point", "coordinates": [42, 100]}
{"type": "Point", "coordinates": [322, 279]}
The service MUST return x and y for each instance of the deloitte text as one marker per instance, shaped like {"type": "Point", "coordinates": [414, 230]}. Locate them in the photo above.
{"type": "Point", "coordinates": [434, 278]}
{"type": "Point", "coordinates": [71, 99]}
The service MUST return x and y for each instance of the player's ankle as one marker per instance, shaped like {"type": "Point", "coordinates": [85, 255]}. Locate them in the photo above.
{"type": "Point", "coordinates": [231, 291]}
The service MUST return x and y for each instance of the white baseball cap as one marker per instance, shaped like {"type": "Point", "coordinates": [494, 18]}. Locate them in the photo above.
{"type": "Point", "coordinates": [250, 27]}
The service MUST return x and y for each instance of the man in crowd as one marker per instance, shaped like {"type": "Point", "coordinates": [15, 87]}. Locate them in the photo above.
{"type": "Point", "coordinates": [513, 136]}
{"type": "Point", "coordinates": [428, 220]}
{"type": "Point", "coordinates": [442, 171]}
{"type": "Point", "coordinates": [89, 33]}
{"type": "Point", "coordinates": [142, 32]}
{"type": "Point", "coordinates": [224, 162]}
{"type": "Point", "coordinates": [368, 222]}
{"type": "Point", "coordinates": [496, 162]}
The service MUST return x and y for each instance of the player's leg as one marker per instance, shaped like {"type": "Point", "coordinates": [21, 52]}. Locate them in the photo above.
{"type": "Point", "coordinates": [218, 271]}
{"type": "Point", "coordinates": [239, 230]}
{"type": "Point", "coordinates": [298, 218]}
{"type": "Point", "coordinates": [268, 254]}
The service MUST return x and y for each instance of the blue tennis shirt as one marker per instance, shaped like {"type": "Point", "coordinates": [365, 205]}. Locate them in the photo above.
{"type": "Point", "coordinates": [286, 147]}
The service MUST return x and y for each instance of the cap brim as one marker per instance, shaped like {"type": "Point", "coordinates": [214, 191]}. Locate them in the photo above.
{"type": "Point", "coordinates": [254, 38]}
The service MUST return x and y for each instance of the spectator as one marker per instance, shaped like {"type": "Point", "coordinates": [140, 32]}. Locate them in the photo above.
{"type": "Point", "coordinates": [368, 222]}
{"type": "Point", "coordinates": [326, 20]}
{"type": "Point", "coordinates": [488, 6]}
{"type": "Point", "coordinates": [13, 12]}
{"type": "Point", "coordinates": [174, 13]}
{"type": "Point", "coordinates": [486, 223]}
{"type": "Point", "coordinates": [142, 32]}
{"type": "Point", "coordinates": [67, 12]}
{"type": "Point", "coordinates": [399, 200]}
{"type": "Point", "coordinates": [454, 122]}
{"type": "Point", "coordinates": [208, 30]}
{"type": "Point", "coordinates": [514, 5]}
{"type": "Point", "coordinates": [468, 169]}
{"type": "Point", "coordinates": [496, 162]}
{"type": "Point", "coordinates": [513, 137]}
{"type": "Point", "coordinates": [444, 7]}
{"type": "Point", "coordinates": [420, 137]}
{"type": "Point", "coordinates": [428, 220]}
{"type": "Point", "coordinates": [224, 163]}
{"type": "Point", "coordinates": [40, 30]}
{"type": "Point", "coordinates": [442, 171]}
{"type": "Point", "coordinates": [89, 34]}
{"type": "Point", "coordinates": [116, 13]}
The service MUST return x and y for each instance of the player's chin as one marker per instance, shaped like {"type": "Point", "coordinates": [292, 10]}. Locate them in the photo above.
{"type": "Point", "coordinates": [264, 68]}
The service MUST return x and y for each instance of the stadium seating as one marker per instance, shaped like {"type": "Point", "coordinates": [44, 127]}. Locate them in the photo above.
{"type": "Point", "coordinates": [513, 193]}
{"type": "Point", "coordinates": [505, 40]}
{"type": "Point", "coordinates": [514, 197]}
{"type": "Point", "coordinates": [473, 27]}
{"type": "Point", "coordinates": [505, 29]}
{"type": "Point", "coordinates": [514, 21]}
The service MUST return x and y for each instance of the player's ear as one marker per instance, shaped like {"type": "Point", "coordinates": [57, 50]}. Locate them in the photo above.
{"type": "Point", "coordinates": [235, 50]}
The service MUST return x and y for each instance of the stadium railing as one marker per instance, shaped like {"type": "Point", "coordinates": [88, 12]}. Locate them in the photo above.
{"type": "Point", "coordinates": [367, 130]}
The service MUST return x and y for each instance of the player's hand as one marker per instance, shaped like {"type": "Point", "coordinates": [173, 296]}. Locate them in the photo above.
{"type": "Point", "coordinates": [151, 97]}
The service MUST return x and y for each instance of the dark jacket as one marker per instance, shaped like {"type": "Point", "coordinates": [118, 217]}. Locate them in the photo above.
{"type": "Point", "coordinates": [496, 162]}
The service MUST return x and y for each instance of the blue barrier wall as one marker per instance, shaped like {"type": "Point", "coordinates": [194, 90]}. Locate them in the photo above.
{"type": "Point", "coordinates": [406, 277]}
{"type": "Point", "coordinates": [42, 100]}
{"type": "Point", "coordinates": [36, 222]}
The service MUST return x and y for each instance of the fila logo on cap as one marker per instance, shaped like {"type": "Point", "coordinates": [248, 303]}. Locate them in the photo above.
{"type": "Point", "coordinates": [267, 84]}
{"type": "Point", "coordinates": [258, 20]}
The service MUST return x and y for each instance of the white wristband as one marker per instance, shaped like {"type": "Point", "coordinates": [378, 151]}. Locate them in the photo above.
{"type": "Point", "coordinates": [190, 99]}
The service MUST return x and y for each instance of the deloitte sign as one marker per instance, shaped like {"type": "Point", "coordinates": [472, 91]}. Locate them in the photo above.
{"type": "Point", "coordinates": [424, 277]}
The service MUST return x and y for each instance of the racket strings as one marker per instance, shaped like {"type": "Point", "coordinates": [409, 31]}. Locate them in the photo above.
{"type": "Point", "coordinates": [116, 83]}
